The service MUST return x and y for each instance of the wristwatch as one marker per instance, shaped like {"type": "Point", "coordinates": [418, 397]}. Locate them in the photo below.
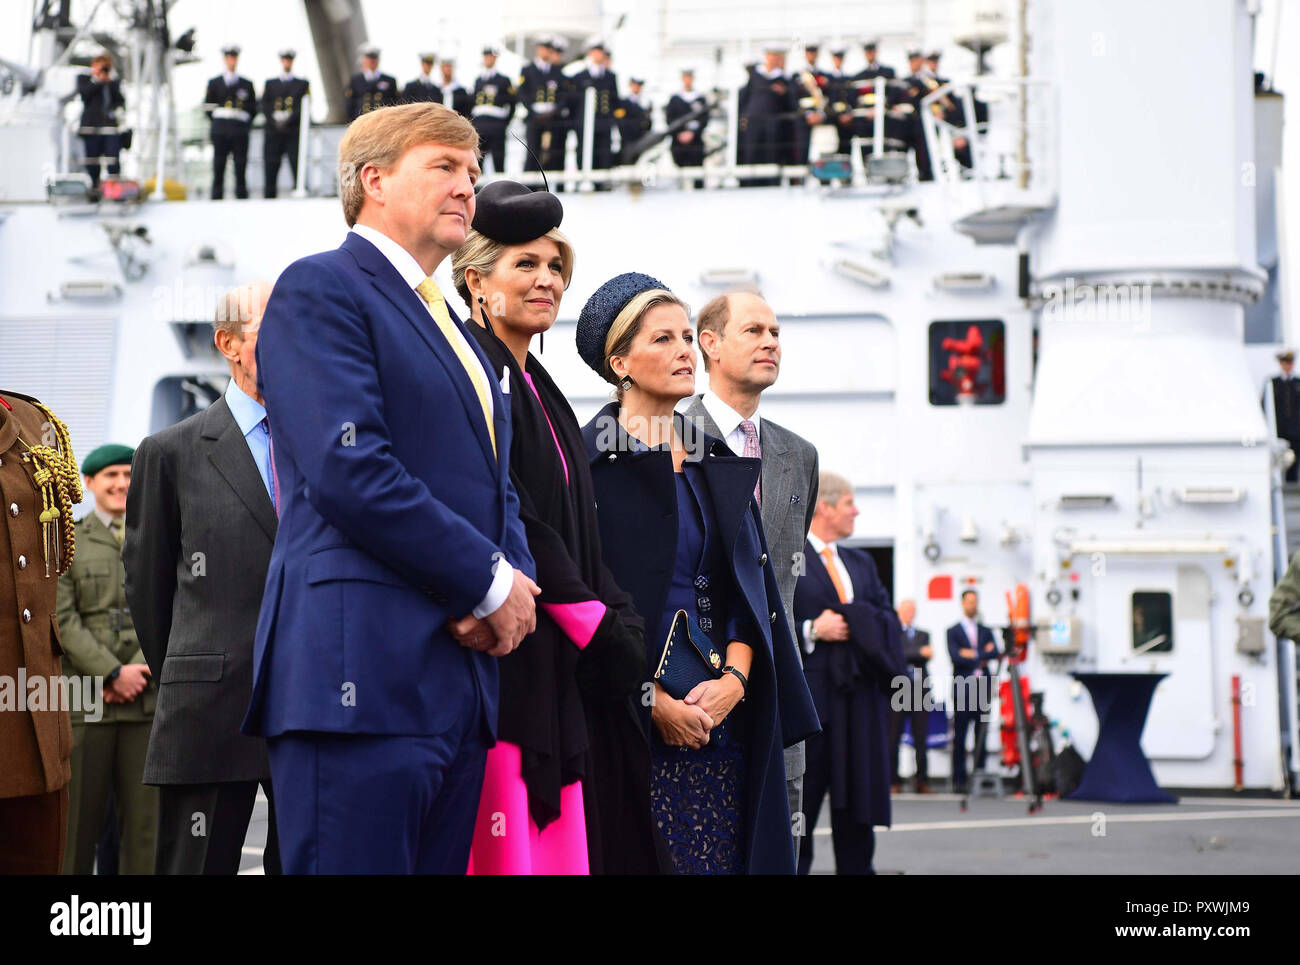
{"type": "Point", "coordinates": [744, 683]}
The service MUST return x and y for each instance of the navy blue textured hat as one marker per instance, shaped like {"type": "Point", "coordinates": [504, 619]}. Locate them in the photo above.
{"type": "Point", "coordinates": [597, 316]}
{"type": "Point", "coordinates": [512, 213]}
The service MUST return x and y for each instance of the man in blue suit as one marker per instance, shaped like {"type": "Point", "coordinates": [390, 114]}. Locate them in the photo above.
{"type": "Point", "coordinates": [971, 646]}
{"type": "Point", "coordinates": [400, 569]}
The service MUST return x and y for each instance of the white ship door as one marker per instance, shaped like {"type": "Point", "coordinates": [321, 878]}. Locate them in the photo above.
{"type": "Point", "coordinates": [1182, 722]}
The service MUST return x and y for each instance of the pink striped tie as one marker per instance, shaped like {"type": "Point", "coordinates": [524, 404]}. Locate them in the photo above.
{"type": "Point", "coordinates": [752, 451]}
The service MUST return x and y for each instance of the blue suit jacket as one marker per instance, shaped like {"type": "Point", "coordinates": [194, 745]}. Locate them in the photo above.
{"type": "Point", "coordinates": [393, 508]}
{"type": "Point", "coordinates": [957, 641]}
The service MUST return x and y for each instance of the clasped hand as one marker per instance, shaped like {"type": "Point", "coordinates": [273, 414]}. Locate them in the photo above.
{"type": "Point", "coordinates": [502, 630]}
{"type": "Point", "coordinates": [127, 686]}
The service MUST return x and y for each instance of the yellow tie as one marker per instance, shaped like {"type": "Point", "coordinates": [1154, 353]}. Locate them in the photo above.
{"type": "Point", "coordinates": [833, 572]}
{"type": "Point", "coordinates": [432, 295]}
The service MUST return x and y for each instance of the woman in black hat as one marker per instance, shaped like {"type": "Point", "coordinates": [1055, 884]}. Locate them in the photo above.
{"type": "Point", "coordinates": [572, 765]}
{"type": "Point", "coordinates": [681, 532]}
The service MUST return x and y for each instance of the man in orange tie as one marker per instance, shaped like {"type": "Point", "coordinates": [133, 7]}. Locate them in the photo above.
{"type": "Point", "coordinates": [853, 654]}
{"type": "Point", "coordinates": [400, 570]}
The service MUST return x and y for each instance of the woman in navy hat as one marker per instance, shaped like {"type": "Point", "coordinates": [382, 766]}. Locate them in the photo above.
{"type": "Point", "coordinates": [566, 788]}
{"type": "Point", "coordinates": [681, 532]}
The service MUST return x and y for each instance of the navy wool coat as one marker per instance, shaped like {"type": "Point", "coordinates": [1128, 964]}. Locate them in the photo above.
{"type": "Point", "coordinates": [851, 681]}
{"type": "Point", "coordinates": [636, 504]}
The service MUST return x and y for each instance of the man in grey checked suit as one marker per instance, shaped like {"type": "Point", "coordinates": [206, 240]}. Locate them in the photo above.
{"type": "Point", "coordinates": [740, 344]}
{"type": "Point", "coordinates": [201, 522]}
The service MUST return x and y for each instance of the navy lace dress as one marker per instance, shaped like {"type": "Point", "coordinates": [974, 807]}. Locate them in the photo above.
{"type": "Point", "coordinates": [698, 796]}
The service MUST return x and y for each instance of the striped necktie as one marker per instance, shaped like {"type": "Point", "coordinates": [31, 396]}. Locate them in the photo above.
{"type": "Point", "coordinates": [432, 295]}
{"type": "Point", "coordinates": [753, 451]}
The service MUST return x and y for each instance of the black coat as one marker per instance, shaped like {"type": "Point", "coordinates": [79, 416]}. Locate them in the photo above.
{"type": "Point", "coordinates": [637, 507]}
{"type": "Point", "coordinates": [284, 95]}
{"type": "Point", "coordinates": [493, 100]}
{"type": "Point", "coordinates": [537, 87]}
{"type": "Point", "coordinates": [98, 102]}
{"type": "Point", "coordinates": [417, 92]}
{"type": "Point", "coordinates": [363, 96]}
{"type": "Point", "coordinates": [231, 109]}
{"type": "Point", "coordinates": [1286, 406]}
{"type": "Point", "coordinates": [607, 102]}
{"type": "Point", "coordinates": [851, 681]}
{"type": "Point", "coordinates": [562, 736]}
{"type": "Point", "coordinates": [455, 96]}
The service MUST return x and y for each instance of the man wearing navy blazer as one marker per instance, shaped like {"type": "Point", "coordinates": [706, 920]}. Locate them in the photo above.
{"type": "Point", "coordinates": [971, 646]}
{"type": "Point", "coordinates": [400, 570]}
{"type": "Point", "coordinates": [853, 650]}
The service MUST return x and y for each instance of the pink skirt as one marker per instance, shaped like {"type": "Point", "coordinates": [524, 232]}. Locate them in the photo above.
{"type": "Point", "coordinates": [507, 841]}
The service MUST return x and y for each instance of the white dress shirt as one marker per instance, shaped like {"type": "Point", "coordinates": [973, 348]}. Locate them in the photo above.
{"type": "Point", "coordinates": [728, 421]}
{"type": "Point", "coordinates": [840, 570]}
{"type": "Point", "coordinates": [413, 275]}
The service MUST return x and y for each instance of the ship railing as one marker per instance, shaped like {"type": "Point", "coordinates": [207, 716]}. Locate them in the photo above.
{"type": "Point", "coordinates": [992, 145]}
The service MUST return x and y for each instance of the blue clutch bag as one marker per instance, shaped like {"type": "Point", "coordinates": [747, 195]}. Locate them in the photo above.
{"type": "Point", "coordinates": [688, 658]}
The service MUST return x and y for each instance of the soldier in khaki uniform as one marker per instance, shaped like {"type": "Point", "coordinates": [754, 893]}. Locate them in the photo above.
{"type": "Point", "coordinates": [100, 641]}
{"type": "Point", "coordinates": [1284, 604]}
{"type": "Point", "coordinates": [38, 478]}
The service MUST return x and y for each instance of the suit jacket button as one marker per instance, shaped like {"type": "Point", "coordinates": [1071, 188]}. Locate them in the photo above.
{"type": "Point", "coordinates": [762, 560]}
{"type": "Point", "coordinates": [27, 615]}
{"type": "Point", "coordinates": [22, 562]}
{"type": "Point", "coordinates": [13, 509]}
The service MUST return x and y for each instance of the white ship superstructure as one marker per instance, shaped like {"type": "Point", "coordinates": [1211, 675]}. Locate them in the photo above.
{"type": "Point", "coordinates": [1103, 267]}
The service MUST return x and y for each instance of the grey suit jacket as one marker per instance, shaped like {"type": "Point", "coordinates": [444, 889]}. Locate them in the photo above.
{"type": "Point", "coordinates": [199, 531]}
{"type": "Point", "coordinates": [789, 488]}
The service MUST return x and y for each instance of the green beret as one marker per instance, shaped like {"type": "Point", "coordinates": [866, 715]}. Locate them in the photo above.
{"type": "Point", "coordinates": [109, 454]}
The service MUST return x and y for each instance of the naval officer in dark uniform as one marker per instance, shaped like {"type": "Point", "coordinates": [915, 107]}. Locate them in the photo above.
{"type": "Point", "coordinates": [423, 88]}
{"type": "Point", "coordinates": [840, 96]}
{"type": "Point", "coordinates": [282, 107]}
{"type": "Point", "coordinates": [369, 90]}
{"type": "Point", "coordinates": [493, 103]}
{"type": "Point", "coordinates": [544, 92]}
{"type": "Point", "coordinates": [810, 92]}
{"type": "Point", "coordinates": [231, 105]}
{"type": "Point", "coordinates": [768, 106]}
{"type": "Point", "coordinates": [633, 118]}
{"type": "Point", "coordinates": [598, 76]}
{"type": "Point", "coordinates": [1286, 408]}
{"type": "Point", "coordinates": [451, 92]}
{"type": "Point", "coordinates": [688, 143]}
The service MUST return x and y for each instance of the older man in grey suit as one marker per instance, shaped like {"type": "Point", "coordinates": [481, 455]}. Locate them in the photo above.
{"type": "Point", "coordinates": [201, 522]}
{"type": "Point", "coordinates": [740, 343]}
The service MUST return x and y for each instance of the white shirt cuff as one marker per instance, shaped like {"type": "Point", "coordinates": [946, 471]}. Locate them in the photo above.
{"type": "Point", "coordinates": [808, 645]}
{"type": "Point", "coordinates": [503, 579]}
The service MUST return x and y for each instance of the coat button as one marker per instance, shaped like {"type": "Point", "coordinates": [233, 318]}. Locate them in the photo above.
{"type": "Point", "coordinates": [762, 560]}
{"type": "Point", "coordinates": [613, 456]}
{"type": "Point", "coordinates": [27, 615]}
{"type": "Point", "coordinates": [22, 562]}
{"type": "Point", "coordinates": [13, 509]}
{"type": "Point", "coordinates": [772, 618]}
